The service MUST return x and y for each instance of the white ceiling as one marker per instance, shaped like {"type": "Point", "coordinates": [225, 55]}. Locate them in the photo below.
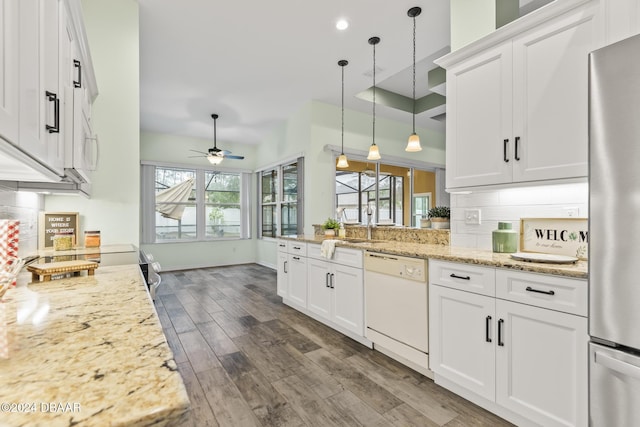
{"type": "Point", "coordinates": [257, 62]}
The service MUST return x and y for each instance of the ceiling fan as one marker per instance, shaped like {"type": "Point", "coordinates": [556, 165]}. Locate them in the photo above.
{"type": "Point", "coordinates": [216, 155]}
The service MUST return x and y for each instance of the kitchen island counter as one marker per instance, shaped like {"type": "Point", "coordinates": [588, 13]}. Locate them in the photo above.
{"type": "Point", "coordinates": [86, 351]}
{"type": "Point", "coordinates": [456, 254]}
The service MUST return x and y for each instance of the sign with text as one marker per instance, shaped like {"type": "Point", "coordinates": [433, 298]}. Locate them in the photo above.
{"type": "Point", "coordinates": [559, 236]}
{"type": "Point", "coordinates": [52, 223]}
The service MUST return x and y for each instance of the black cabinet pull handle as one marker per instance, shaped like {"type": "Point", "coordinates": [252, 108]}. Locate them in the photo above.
{"type": "Point", "coordinates": [504, 150]}
{"type": "Point", "coordinates": [282, 245]}
{"type": "Point", "coordinates": [296, 258]}
{"type": "Point", "coordinates": [78, 65]}
{"type": "Point", "coordinates": [326, 280]}
{"type": "Point", "coordinates": [296, 248]}
{"type": "Point", "coordinates": [500, 323]}
{"type": "Point", "coordinates": [538, 291]}
{"type": "Point", "coordinates": [331, 281]}
{"type": "Point", "coordinates": [487, 325]}
{"type": "Point", "coordinates": [455, 276]}
{"type": "Point", "coordinates": [517, 157]}
{"type": "Point", "coordinates": [56, 112]}
{"type": "Point", "coordinates": [285, 267]}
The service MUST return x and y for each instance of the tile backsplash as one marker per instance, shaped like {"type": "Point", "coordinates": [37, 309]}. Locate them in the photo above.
{"type": "Point", "coordinates": [549, 201]}
{"type": "Point", "coordinates": [24, 207]}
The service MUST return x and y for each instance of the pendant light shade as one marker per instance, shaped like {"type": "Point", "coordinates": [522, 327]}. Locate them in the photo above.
{"type": "Point", "coordinates": [374, 152]}
{"type": "Point", "coordinates": [342, 160]}
{"type": "Point", "coordinates": [413, 144]}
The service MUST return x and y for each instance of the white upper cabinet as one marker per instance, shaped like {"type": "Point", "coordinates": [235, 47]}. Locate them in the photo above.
{"type": "Point", "coordinates": [40, 99]}
{"type": "Point", "coordinates": [517, 109]}
{"type": "Point", "coordinates": [550, 97]}
{"type": "Point", "coordinates": [44, 59]}
{"type": "Point", "coordinates": [9, 69]}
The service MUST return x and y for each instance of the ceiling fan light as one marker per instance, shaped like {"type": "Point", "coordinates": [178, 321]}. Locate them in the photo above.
{"type": "Point", "coordinates": [413, 144]}
{"type": "Point", "coordinates": [215, 160]}
{"type": "Point", "coordinates": [374, 153]}
{"type": "Point", "coordinates": [342, 161]}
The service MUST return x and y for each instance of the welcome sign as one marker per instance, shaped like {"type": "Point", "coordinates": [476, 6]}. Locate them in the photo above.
{"type": "Point", "coordinates": [559, 236]}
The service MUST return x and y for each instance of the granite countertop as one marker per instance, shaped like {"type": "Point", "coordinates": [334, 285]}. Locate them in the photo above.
{"type": "Point", "coordinates": [86, 351]}
{"type": "Point", "coordinates": [457, 254]}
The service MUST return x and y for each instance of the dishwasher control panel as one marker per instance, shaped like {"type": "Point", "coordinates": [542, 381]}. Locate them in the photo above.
{"type": "Point", "coordinates": [395, 265]}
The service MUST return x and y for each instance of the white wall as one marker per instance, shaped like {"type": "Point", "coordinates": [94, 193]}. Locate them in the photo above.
{"type": "Point", "coordinates": [174, 149]}
{"type": "Point", "coordinates": [549, 201]}
{"type": "Point", "coordinates": [112, 30]}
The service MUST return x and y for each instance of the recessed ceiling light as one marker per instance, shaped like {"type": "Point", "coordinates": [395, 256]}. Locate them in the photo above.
{"type": "Point", "coordinates": [342, 24]}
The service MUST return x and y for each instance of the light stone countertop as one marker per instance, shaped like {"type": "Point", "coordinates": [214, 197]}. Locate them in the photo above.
{"type": "Point", "coordinates": [457, 254]}
{"type": "Point", "coordinates": [87, 351]}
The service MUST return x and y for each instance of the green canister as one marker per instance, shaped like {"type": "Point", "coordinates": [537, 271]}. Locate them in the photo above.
{"type": "Point", "coordinates": [505, 240]}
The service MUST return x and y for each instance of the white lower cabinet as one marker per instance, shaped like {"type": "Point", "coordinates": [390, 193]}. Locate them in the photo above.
{"type": "Point", "coordinates": [297, 279]}
{"type": "Point", "coordinates": [329, 290]}
{"type": "Point", "coordinates": [524, 362]}
{"type": "Point", "coordinates": [291, 282]}
{"type": "Point", "coordinates": [336, 294]}
{"type": "Point", "coordinates": [461, 339]}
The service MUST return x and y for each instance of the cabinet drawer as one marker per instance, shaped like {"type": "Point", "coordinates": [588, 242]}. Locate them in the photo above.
{"type": "Point", "coordinates": [344, 256]}
{"type": "Point", "coordinates": [281, 245]}
{"type": "Point", "coordinates": [552, 292]}
{"type": "Point", "coordinates": [466, 277]}
{"type": "Point", "coordinates": [297, 248]}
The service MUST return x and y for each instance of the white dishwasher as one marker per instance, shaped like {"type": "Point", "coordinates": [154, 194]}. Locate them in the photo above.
{"type": "Point", "coordinates": [396, 308]}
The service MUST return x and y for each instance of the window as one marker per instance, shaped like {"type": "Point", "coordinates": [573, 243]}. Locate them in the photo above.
{"type": "Point", "coordinates": [386, 189]}
{"type": "Point", "coordinates": [281, 200]}
{"type": "Point", "coordinates": [187, 204]}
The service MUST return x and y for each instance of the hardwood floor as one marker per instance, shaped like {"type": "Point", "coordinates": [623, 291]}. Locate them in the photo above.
{"type": "Point", "coordinates": [249, 360]}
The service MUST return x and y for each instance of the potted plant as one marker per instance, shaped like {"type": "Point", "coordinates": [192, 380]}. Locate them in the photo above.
{"type": "Point", "coordinates": [330, 226]}
{"type": "Point", "coordinates": [440, 217]}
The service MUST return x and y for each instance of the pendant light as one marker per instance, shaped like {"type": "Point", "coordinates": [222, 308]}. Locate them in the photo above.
{"type": "Point", "coordinates": [213, 158]}
{"type": "Point", "coordinates": [374, 153]}
{"type": "Point", "coordinates": [413, 144]}
{"type": "Point", "coordinates": [342, 160]}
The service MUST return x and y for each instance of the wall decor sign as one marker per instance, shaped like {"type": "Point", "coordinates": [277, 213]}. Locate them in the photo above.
{"type": "Point", "coordinates": [560, 236]}
{"type": "Point", "coordinates": [52, 223]}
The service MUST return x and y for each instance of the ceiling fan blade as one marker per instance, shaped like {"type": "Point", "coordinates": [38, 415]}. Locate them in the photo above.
{"type": "Point", "coordinates": [201, 152]}
{"type": "Point", "coordinates": [196, 156]}
{"type": "Point", "coordinates": [230, 156]}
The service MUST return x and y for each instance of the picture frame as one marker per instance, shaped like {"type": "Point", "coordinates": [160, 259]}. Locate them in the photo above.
{"type": "Point", "coordinates": [559, 236]}
{"type": "Point", "coordinates": [50, 223]}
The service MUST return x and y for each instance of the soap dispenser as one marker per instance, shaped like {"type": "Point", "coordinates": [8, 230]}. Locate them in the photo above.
{"type": "Point", "coordinates": [342, 233]}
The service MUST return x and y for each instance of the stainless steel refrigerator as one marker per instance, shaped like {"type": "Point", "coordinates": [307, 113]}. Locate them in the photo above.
{"type": "Point", "coordinates": [614, 234]}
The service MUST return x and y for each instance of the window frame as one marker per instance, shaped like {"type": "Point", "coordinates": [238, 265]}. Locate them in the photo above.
{"type": "Point", "coordinates": [280, 203]}
{"type": "Point", "coordinates": [148, 203]}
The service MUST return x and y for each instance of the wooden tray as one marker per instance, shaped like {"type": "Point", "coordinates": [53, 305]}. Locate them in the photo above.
{"type": "Point", "coordinates": [62, 267]}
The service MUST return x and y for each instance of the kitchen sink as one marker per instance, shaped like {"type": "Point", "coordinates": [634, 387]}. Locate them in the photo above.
{"type": "Point", "coordinates": [354, 240]}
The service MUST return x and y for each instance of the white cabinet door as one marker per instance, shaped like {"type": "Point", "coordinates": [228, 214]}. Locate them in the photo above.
{"type": "Point", "coordinates": [462, 339]}
{"type": "Point", "coordinates": [319, 287]}
{"type": "Point", "coordinates": [40, 104]}
{"type": "Point", "coordinates": [347, 284]}
{"type": "Point", "coordinates": [550, 99]}
{"type": "Point", "coordinates": [297, 266]}
{"type": "Point", "coordinates": [282, 282]}
{"type": "Point", "coordinates": [479, 119]}
{"type": "Point", "coordinates": [9, 70]}
{"type": "Point", "coordinates": [541, 361]}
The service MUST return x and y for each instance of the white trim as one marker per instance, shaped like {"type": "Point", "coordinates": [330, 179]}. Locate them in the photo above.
{"type": "Point", "coordinates": [512, 29]}
{"type": "Point", "coordinates": [205, 167]}
{"type": "Point", "coordinates": [361, 155]}
{"type": "Point", "coordinates": [284, 161]}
